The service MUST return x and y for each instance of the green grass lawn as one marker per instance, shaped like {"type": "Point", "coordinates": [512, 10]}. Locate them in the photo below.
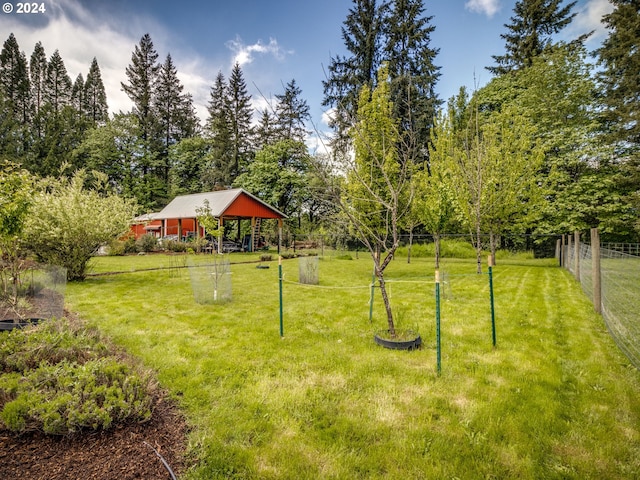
{"type": "Point", "coordinates": [556, 399]}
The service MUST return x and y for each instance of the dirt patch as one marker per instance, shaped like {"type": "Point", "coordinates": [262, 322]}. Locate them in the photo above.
{"type": "Point", "coordinates": [120, 453]}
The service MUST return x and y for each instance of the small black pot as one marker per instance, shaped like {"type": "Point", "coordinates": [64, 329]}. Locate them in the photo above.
{"type": "Point", "coordinates": [412, 344]}
{"type": "Point", "coordinates": [10, 324]}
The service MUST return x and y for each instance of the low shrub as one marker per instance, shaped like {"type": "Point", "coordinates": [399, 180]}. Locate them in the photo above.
{"type": "Point", "coordinates": [265, 258]}
{"type": "Point", "coordinates": [61, 377]}
{"type": "Point", "coordinates": [147, 243]}
{"type": "Point", "coordinates": [174, 246]}
{"type": "Point", "coordinates": [65, 397]}
{"type": "Point", "coordinates": [51, 342]}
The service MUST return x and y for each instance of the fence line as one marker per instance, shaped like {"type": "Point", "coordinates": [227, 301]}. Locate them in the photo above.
{"type": "Point", "coordinates": [611, 279]}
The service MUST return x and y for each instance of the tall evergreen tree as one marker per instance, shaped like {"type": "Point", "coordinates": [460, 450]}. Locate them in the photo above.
{"type": "Point", "coordinates": [94, 95]}
{"type": "Point", "coordinates": [38, 75]}
{"type": "Point", "coordinates": [620, 79]}
{"type": "Point", "coordinates": [361, 33]}
{"type": "Point", "coordinates": [620, 94]}
{"type": "Point", "coordinates": [142, 74]}
{"type": "Point", "coordinates": [58, 84]}
{"type": "Point", "coordinates": [174, 111]}
{"type": "Point", "coordinates": [240, 115]}
{"type": "Point", "coordinates": [77, 95]}
{"type": "Point", "coordinates": [413, 73]}
{"type": "Point", "coordinates": [14, 79]}
{"type": "Point", "coordinates": [531, 32]}
{"type": "Point", "coordinates": [218, 128]}
{"type": "Point", "coordinates": [291, 112]}
{"type": "Point", "coordinates": [265, 130]}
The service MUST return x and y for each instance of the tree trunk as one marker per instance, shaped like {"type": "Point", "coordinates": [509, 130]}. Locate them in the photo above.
{"type": "Point", "coordinates": [410, 245]}
{"type": "Point", "coordinates": [478, 250]}
{"type": "Point", "coordinates": [387, 303]}
{"type": "Point", "coordinates": [493, 243]}
{"type": "Point", "coordinates": [436, 241]}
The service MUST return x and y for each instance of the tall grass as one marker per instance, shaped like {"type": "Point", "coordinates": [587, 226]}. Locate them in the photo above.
{"type": "Point", "coordinates": [555, 399]}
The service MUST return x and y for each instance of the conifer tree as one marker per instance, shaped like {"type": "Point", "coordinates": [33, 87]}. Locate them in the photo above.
{"type": "Point", "coordinates": [361, 33]}
{"type": "Point", "coordinates": [619, 79]}
{"type": "Point", "coordinates": [38, 75]}
{"type": "Point", "coordinates": [239, 115]}
{"type": "Point", "coordinates": [531, 32]}
{"type": "Point", "coordinates": [218, 128]}
{"type": "Point", "coordinates": [77, 95]}
{"type": "Point", "coordinates": [413, 74]}
{"type": "Point", "coordinates": [142, 74]}
{"type": "Point", "coordinates": [620, 84]}
{"type": "Point", "coordinates": [58, 84]}
{"type": "Point", "coordinates": [291, 113]}
{"type": "Point", "coordinates": [94, 95]}
{"type": "Point", "coordinates": [265, 131]}
{"type": "Point", "coordinates": [14, 80]}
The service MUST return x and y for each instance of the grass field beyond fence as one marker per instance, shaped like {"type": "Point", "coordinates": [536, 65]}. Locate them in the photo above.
{"type": "Point", "coordinates": [556, 399]}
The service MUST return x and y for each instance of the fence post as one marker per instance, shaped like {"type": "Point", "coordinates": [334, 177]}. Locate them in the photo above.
{"type": "Point", "coordinates": [576, 255]}
{"type": "Point", "coordinates": [596, 270]}
{"type": "Point", "coordinates": [569, 251]}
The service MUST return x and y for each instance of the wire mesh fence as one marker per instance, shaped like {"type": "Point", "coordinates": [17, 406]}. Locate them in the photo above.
{"type": "Point", "coordinates": [308, 270]}
{"type": "Point", "coordinates": [210, 279]}
{"type": "Point", "coordinates": [615, 285]}
{"type": "Point", "coordinates": [38, 293]}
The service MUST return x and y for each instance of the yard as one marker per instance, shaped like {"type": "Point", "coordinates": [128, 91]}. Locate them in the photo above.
{"type": "Point", "coordinates": [555, 399]}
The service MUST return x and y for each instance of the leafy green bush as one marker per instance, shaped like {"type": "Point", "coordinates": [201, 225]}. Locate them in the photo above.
{"type": "Point", "coordinates": [173, 246]}
{"type": "Point", "coordinates": [265, 258]}
{"type": "Point", "coordinates": [147, 243]}
{"type": "Point", "coordinates": [61, 376]}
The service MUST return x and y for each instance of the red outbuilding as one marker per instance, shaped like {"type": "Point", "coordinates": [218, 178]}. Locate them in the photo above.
{"type": "Point", "coordinates": [179, 217]}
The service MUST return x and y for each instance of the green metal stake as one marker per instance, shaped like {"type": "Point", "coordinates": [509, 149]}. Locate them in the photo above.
{"type": "Point", "coordinates": [438, 363]}
{"type": "Point", "coordinates": [373, 286]}
{"type": "Point", "coordinates": [493, 315]}
{"type": "Point", "coordinates": [280, 281]}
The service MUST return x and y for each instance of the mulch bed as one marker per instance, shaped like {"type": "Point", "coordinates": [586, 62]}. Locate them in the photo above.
{"type": "Point", "coordinates": [120, 453]}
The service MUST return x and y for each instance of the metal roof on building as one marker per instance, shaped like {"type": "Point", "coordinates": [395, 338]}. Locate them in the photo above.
{"type": "Point", "coordinates": [186, 206]}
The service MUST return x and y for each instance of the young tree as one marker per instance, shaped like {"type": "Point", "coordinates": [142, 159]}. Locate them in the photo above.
{"type": "Point", "coordinates": [433, 202]}
{"type": "Point", "coordinates": [531, 32]}
{"type": "Point", "coordinates": [494, 173]}
{"type": "Point", "coordinates": [68, 222]}
{"type": "Point", "coordinates": [376, 195]}
{"type": "Point", "coordinates": [16, 194]}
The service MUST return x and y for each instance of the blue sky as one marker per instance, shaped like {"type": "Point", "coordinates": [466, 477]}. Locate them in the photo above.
{"type": "Point", "coordinates": [275, 41]}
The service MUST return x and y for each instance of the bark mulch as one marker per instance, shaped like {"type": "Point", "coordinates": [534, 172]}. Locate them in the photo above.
{"type": "Point", "coordinates": [120, 453]}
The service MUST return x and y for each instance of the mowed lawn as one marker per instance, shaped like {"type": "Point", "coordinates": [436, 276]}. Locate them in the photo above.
{"type": "Point", "coordinates": [555, 399]}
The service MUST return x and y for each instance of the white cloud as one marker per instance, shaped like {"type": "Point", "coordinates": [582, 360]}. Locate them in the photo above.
{"type": "Point", "coordinates": [486, 7]}
{"type": "Point", "coordinates": [589, 18]}
{"type": "Point", "coordinates": [244, 54]}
